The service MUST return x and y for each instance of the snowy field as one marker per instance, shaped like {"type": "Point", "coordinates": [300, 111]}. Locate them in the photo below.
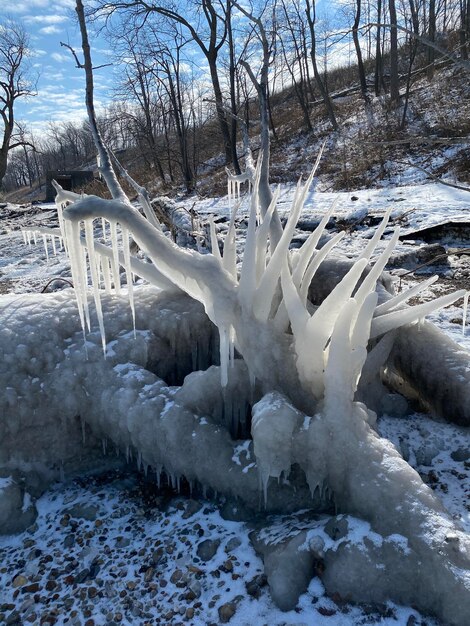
{"type": "Point", "coordinates": [114, 549]}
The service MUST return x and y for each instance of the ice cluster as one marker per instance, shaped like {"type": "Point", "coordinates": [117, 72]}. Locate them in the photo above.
{"type": "Point", "coordinates": [296, 366]}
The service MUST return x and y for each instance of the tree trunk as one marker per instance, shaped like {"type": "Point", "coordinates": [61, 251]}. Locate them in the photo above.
{"type": "Point", "coordinates": [432, 37]}
{"type": "Point", "coordinates": [394, 79]}
{"type": "Point", "coordinates": [311, 18]}
{"type": "Point", "coordinates": [357, 45]}
{"type": "Point", "coordinates": [378, 74]}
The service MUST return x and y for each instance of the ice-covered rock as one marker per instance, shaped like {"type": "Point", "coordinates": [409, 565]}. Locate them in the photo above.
{"type": "Point", "coordinates": [17, 509]}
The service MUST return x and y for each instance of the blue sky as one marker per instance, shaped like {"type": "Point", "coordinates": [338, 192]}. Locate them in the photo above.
{"type": "Point", "coordinates": [60, 85]}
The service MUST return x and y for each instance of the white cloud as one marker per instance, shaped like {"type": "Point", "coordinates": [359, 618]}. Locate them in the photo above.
{"type": "Point", "coordinates": [23, 6]}
{"type": "Point", "coordinates": [60, 58]}
{"type": "Point", "coordinates": [50, 30]}
{"type": "Point", "coordinates": [45, 19]}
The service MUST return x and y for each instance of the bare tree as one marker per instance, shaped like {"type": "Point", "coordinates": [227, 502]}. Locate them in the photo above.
{"type": "Point", "coordinates": [15, 83]}
{"type": "Point", "coordinates": [357, 46]}
{"type": "Point", "coordinates": [262, 89]}
{"type": "Point", "coordinates": [209, 34]}
{"type": "Point", "coordinates": [310, 8]}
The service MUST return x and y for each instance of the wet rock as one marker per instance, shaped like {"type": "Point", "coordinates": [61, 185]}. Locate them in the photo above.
{"type": "Point", "coordinates": [69, 541]}
{"type": "Point", "coordinates": [207, 549]}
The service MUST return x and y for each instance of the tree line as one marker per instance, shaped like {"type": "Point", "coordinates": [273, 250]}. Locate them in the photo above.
{"type": "Point", "coordinates": [192, 74]}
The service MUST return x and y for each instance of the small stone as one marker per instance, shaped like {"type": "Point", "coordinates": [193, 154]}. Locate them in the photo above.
{"type": "Point", "coordinates": [149, 574]}
{"type": "Point", "coordinates": [226, 612]}
{"type": "Point", "coordinates": [253, 587]}
{"type": "Point", "coordinates": [13, 619]}
{"type": "Point", "coordinates": [232, 544]}
{"type": "Point", "coordinates": [131, 585]}
{"type": "Point", "coordinates": [207, 549]}
{"type": "Point", "coordinates": [92, 592]}
{"type": "Point", "coordinates": [19, 581]}
{"type": "Point", "coordinates": [33, 588]}
{"type": "Point", "coordinates": [337, 528]}
{"type": "Point", "coordinates": [176, 576]}
{"type": "Point", "coordinates": [82, 576]}
{"type": "Point", "coordinates": [189, 614]}
{"type": "Point", "coordinates": [192, 507]}
{"type": "Point", "coordinates": [69, 541]}
{"type": "Point", "coordinates": [83, 511]}
{"type": "Point", "coordinates": [227, 566]}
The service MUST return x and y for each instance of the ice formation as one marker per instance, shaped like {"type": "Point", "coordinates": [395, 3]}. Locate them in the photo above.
{"type": "Point", "coordinates": [304, 368]}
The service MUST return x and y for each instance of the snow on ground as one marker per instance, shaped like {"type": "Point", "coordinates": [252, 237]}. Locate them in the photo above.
{"type": "Point", "coordinates": [113, 549]}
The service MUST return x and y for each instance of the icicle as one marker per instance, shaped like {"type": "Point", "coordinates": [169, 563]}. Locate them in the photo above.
{"type": "Point", "coordinates": [265, 292]}
{"type": "Point", "coordinates": [315, 264]}
{"type": "Point", "coordinates": [54, 249]}
{"type": "Point", "coordinates": [139, 459]}
{"type": "Point", "coordinates": [105, 271]}
{"type": "Point", "coordinates": [247, 283]}
{"type": "Point", "coordinates": [368, 250]}
{"type": "Point", "coordinates": [127, 267]}
{"type": "Point", "coordinates": [103, 227]}
{"type": "Point", "coordinates": [103, 446]}
{"type": "Point", "coordinates": [78, 267]}
{"type": "Point", "coordinates": [214, 243]}
{"type": "Point", "coordinates": [229, 260]}
{"type": "Point", "coordinates": [465, 307]}
{"type": "Point", "coordinates": [115, 259]}
{"type": "Point", "coordinates": [127, 454]}
{"type": "Point", "coordinates": [224, 355]}
{"type": "Point", "coordinates": [384, 323]}
{"type": "Point", "coordinates": [82, 424]}
{"type": "Point", "coordinates": [232, 337]}
{"type": "Point", "coordinates": [404, 296]}
{"type": "Point", "coordinates": [262, 233]}
{"type": "Point", "coordinates": [44, 241]}
{"type": "Point", "coordinates": [23, 232]}
{"type": "Point", "coordinates": [90, 243]}
{"type": "Point", "coordinates": [35, 238]}
{"type": "Point", "coordinates": [310, 245]}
